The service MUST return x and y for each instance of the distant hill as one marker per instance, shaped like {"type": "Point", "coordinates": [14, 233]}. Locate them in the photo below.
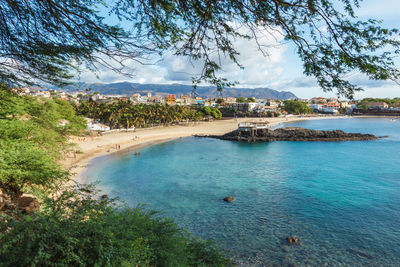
{"type": "Point", "coordinates": [127, 88]}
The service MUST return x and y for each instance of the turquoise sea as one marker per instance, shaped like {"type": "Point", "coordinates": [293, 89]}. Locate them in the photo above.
{"type": "Point", "coordinates": [342, 199]}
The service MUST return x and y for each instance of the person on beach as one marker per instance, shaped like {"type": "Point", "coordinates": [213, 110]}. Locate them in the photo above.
{"type": "Point", "coordinates": [119, 147]}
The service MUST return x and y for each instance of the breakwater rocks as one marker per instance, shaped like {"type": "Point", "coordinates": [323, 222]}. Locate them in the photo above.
{"type": "Point", "coordinates": [292, 134]}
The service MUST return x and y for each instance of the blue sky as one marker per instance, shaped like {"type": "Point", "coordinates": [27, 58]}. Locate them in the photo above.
{"type": "Point", "coordinates": [280, 70]}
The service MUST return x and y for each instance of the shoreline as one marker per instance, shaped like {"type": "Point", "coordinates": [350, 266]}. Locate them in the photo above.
{"type": "Point", "coordinates": [103, 145]}
{"type": "Point", "coordinates": [79, 175]}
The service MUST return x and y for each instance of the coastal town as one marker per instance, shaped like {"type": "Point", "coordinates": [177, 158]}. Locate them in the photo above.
{"type": "Point", "coordinates": [229, 106]}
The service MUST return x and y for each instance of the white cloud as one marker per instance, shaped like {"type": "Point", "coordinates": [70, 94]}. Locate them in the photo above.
{"type": "Point", "coordinates": [259, 69]}
{"type": "Point", "coordinates": [280, 70]}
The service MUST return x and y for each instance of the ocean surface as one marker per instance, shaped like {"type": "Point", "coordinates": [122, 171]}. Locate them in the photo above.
{"type": "Point", "coordinates": [342, 199]}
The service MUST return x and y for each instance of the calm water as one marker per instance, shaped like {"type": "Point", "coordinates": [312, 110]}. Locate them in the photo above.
{"type": "Point", "coordinates": [342, 199]}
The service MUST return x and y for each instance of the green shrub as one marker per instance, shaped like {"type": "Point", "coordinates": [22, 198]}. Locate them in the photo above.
{"type": "Point", "coordinates": [71, 228]}
{"type": "Point", "coordinates": [76, 230]}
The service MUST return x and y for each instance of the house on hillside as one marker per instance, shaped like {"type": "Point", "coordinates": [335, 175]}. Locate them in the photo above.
{"type": "Point", "coordinates": [317, 100]}
{"type": "Point", "coordinates": [230, 100]}
{"type": "Point", "coordinates": [143, 99]}
{"type": "Point", "coordinates": [157, 99]}
{"type": "Point", "coordinates": [135, 98]}
{"type": "Point", "coordinates": [171, 99]}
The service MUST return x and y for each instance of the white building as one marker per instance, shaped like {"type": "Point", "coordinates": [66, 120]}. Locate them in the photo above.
{"type": "Point", "coordinates": [135, 97]}
{"type": "Point", "coordinates": [316, 107]}
{"type": "Point", "coordinates": [245, 106]}
{"type": "Point", "coordinates": [93, 126]}
{"type": "Point", "coordinates": [143, 99]}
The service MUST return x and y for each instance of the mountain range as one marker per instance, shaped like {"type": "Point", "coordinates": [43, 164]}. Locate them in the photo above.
{"type": "Point", "coordinates": [128, 88]}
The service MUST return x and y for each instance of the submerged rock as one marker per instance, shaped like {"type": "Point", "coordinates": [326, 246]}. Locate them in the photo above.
{"type": "Point", "coordinates": [360, 253]}
{"type": "Point", "coordinates": [229, 199]}
{"type": "Point", "coordinates": [292, 134]}
{"type": "Point", "coordinates": [292, 240]}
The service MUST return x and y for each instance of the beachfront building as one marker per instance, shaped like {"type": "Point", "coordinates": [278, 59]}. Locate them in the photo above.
{"type": "Point", "coordinates": [316, 107]}
{"type": "Point", "coordinates": [378, 105]}
{"type": "Point", "coordinates": [245, 106]}
{"type": "Point", "coordinates": [331, 107]}
{"type": "Point", "coordinates": [251, 126]}
{"type": "Point", "coordinates": [96, 126]}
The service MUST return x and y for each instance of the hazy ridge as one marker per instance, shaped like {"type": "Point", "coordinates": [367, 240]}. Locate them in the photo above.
{"type": "Point", "coordinates": [177, 89]}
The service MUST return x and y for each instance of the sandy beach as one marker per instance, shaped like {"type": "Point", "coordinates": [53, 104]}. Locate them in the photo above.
{"type": "Point", "coordinates": [92, 147]}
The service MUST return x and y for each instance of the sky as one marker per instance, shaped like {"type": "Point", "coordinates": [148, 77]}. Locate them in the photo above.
{"type": "Point", "coordinates": [281, 69]}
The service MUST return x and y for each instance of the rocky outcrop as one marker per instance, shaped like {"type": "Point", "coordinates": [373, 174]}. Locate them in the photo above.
{"type": "Point", "coordinates": [229, 199]}
{"type": "Point", "coordinates": [3, 200]}
{"type": "Point", "coordinates": [360, 253]}
{"type": "Point", "coordinates": [25, 203]}
{"type": "Point", "coordinates": [293, 134]}
{"type": "Point", "coordinates": [292, 240]}
{"type": "Point", "coordinates": [28, 203]}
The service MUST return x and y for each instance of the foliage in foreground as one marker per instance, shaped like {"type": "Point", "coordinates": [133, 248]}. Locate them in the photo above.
{"type": "Point", "coordinates": [50, 39]}
{"type": "Point", "coordinates": [76, 230]}
{"type": "Point", "coordinates": [71, 228]}
{"type": "Point", "coordinates": [32, 137]}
